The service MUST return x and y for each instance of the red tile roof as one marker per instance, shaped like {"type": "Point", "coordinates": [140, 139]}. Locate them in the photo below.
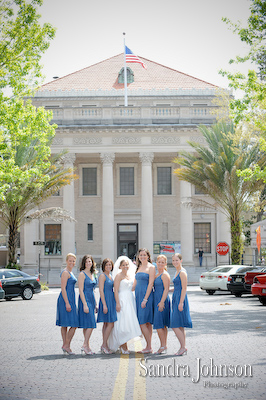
{"type": "Point", "coordinates": [104, 75]}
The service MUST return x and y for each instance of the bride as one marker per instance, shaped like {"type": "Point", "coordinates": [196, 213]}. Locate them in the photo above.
{"type": "Point", "coordinates": [127, 326]}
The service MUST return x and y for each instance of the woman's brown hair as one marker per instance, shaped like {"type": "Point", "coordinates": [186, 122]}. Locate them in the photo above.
{"type": "Point", "coordinates": [137, 258]}
{"type": "Point", "coordinates": [83, 263]}
{"type": "Point", "coordinates": [105, 261]}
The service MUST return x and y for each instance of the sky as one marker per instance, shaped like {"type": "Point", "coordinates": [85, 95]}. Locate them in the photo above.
{"type": "Point", "coordinates": [186, 35]}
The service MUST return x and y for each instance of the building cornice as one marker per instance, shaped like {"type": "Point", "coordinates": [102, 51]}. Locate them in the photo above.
{"type": "Point", "coordinates": [140, 130]}
{"type": "Point", "coordinates": [120, 93]}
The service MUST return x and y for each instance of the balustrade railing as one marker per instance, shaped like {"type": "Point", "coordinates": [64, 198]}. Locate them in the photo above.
{"type": "Point", "coordinates": [101, 114]}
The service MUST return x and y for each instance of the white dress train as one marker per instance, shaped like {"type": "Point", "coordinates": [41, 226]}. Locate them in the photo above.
{"type": "Point", "coordinates": [127, 326]}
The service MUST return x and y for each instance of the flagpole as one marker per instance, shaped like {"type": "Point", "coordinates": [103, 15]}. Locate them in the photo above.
{"type": "Point", "coordinates": [125, 71]}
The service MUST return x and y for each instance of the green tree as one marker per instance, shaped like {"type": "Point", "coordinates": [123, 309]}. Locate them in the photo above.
{"type": "Point", "coordinates": [213, 167]}
{"type": "Point", "coordinates": [22, 42]}
{"type": "Point", "coordinates": [29, 174]}
{"type": "Point", "coordinates": [251, 106]}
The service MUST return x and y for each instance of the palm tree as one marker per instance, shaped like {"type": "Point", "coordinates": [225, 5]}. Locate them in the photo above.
{"type": "Point", "coordinates": [213, 169]}
{"type": "Point", "coordinates": [33, 178]}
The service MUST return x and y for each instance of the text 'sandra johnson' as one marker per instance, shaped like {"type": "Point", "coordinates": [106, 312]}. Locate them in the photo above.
{"type": "Point", "coordinates": [207, 370]}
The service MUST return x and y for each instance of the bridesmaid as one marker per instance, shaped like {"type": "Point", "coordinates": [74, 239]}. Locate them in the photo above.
{"type": "Point", "coordinates": [66, 315]}
{"type": "Point", "coordinates": [180, 316]}
{"type": "Point", "coordinates": [87, 304]}
{"type": "Point", "coordinates": [162, 302]}
{"type": "Point", "coordinates": [143, 286]}
{"type": "Point", "coordinates": [107, 305]}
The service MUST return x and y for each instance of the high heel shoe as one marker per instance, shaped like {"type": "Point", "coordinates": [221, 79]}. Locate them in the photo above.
{"type": "Point", "coordinates": [124, 351]}
{"type": "Point", "coordinates": [162, 350]}
{"type": "Point", "coordinates": [104, 350]}
{"type": "Point", "coordinates": [65, 351]}
{"type": "Point", "coordinates": [181, 352]}
{"type": "Point", "coordinates": [86, 351]}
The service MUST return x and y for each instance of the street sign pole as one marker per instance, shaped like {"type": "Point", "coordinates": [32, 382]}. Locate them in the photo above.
{"type": "Point", "coordinates": [39, 243]}
{"type": "Point", "coordinates": [222, 249]}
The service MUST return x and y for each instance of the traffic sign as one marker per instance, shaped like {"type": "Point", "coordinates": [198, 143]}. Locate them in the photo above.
{"type": "Point", "coordinates": [222, 248]}
{"type": "Point", "coordinates": [39, 243]}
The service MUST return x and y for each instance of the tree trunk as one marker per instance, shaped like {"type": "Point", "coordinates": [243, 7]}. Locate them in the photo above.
{"type": "Point", "coordinates": [12, 242]}
{"type": "Point", "coordinates": [236, 243]}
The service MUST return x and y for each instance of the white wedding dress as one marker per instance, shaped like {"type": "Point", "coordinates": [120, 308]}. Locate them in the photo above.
{"type": "Point", "coordinates": [127, 326]}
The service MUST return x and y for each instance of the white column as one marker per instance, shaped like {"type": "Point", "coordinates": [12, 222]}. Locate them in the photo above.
{"type": "Point", "coordinates": [187, 248]}
{"type": "Point", "coordinates": [30, 234]}
{"type": "Point", "coordinates": [146, 201]}
{"type": "Point", "coordinates": [68, 228]}
{"type": "Point", "coordinates": [108, 221]}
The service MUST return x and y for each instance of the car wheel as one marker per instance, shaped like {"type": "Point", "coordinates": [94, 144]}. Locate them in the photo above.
{"type": "Point", "coordinates": [262, 300]}
{"type": "Point", "coordinates": [238, 294]}
{"type": "Point", "coordinates": [27, 293]}
{"type": "Point", "coordinates": [210, 292]}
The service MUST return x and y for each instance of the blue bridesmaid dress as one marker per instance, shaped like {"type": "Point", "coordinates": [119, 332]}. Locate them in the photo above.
{"type": "Point", "coordinates": [161, 318]}
{"type": "Point", "coordinates": [111, 315]}
{"type": "Point", "coordinates": [87, 320]}
{"type": "Point", "coordinates": [179, 318]}
{"type": "Point", "coordinates": [144, 314]}
{"type": "Point", "coordinates": [63, 317]}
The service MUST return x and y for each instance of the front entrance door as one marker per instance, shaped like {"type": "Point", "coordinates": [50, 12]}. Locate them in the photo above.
{"type": "Point", "coordinates": [127, 240]}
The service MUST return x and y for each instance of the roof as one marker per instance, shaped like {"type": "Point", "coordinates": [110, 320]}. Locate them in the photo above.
{"type": "Point", "coordinates": [104, 76]}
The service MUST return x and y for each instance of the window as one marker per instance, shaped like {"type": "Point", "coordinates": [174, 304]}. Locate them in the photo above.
{"type": "Point", "coordinates": [18, 239]}
{"type": "Point", "coordinates": [89, 181]}
{"type": "Point", "coordinates": [202, 237]}
{"type": "Point", "coordinates": [130, 75]}
{"type": "Point", "coordinates": [126, 180]}
{"type": "Point", "coordinates": [198, 191]}
{"type": "Point", "coordinates": [90, 232]}
{"type": "Point", "coordinates": [10, 274]}
{"type": "Point", "coordinates": [52, 235]}
{"type": "Point", "coordinates": [164, 180]}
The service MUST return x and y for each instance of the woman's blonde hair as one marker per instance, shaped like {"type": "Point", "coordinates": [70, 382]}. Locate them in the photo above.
{"type": "Point", "coordinates": [70, 255]}
{"type": "Point", "coordinates": [165, 259]}
{"type": "Point", "coordinates": [177, 255]}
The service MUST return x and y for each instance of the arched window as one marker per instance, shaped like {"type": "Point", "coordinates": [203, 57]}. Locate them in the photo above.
{"type": "Point", "coordinates": [130, 75]}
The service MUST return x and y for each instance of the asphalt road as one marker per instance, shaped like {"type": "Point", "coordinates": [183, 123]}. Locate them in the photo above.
{"type": "Point", "coordinates": [226, 355]}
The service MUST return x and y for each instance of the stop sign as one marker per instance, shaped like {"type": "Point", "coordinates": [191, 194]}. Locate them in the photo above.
{"type": "Point", "coordinates": [222, 248]}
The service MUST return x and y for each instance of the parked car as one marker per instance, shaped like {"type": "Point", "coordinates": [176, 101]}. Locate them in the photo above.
{"type": "Point", "coordinates": [2, 292]}
{"type": "Point", "coordinates": [17, 283]}
{"type": "Point", "coordinates": [217, 278]}
{"type": "Point", "coordinates": [259, 288]}
{"type": "Point", "coordinates": [249, 277]}
{"type": "Point", "coordinates": [236, 281]}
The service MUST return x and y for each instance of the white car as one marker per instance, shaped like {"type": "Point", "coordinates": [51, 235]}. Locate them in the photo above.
{"type": "Point", "coordinates": [217, 278]}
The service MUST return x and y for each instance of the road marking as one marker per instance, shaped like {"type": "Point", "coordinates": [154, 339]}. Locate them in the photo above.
{"type": "Point", "coordinates": [121, 379]}
{"type": "Point", "coordinates": [139, 381]}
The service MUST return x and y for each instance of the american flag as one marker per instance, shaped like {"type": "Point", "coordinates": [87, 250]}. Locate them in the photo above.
{"type": "Point", "coordinates": [131, 58]}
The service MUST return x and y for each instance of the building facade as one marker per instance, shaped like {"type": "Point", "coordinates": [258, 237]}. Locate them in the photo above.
{"type": "Point", "coordinates": [127, 195]}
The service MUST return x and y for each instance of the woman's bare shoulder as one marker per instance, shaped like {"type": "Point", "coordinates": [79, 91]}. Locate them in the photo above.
{"type": "Point", "coordinates": [102, 277]}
